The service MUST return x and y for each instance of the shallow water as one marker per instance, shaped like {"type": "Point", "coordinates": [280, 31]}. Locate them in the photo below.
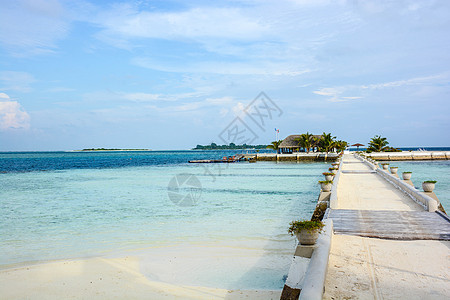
{"type": "Point", "coordinates": [438, 170]}
{"type": "Point", "coordinates": [72, 211]}
{"type": "Point", "coordinates": [229, 232]}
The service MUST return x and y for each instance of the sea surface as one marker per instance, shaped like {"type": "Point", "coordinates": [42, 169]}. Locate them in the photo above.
{"type": "Point", "coordinates": [438, 170]}
{"type": "Point", "coordinates": [65, 205]}
{"type": "Point", "coordinates": [68, 205]}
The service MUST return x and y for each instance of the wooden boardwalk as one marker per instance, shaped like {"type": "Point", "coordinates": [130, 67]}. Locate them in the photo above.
{"type": "Point", "coordinates": [390, 224]}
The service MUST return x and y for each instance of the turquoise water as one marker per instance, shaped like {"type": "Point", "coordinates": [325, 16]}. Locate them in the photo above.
{"type": "Point", "coordinates": [74, 205]}
{"type": "Point", "coordinates": [438, 170]}
{"type": "Point", "coordinates": [82, 212]}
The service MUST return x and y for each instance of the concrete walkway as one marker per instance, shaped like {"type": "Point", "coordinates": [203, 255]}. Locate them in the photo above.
{"type": "Point", "coordinates": [369, 191]}
{"type": "Point", "coordinates": [374, 268]}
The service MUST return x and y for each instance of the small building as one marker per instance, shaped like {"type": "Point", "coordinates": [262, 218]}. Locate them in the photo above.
{"type": "Point", "coordinates": [291, 144]}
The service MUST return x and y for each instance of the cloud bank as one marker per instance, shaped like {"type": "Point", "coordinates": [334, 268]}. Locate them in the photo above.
{"type": "Point", "coordinates": [12, 115]}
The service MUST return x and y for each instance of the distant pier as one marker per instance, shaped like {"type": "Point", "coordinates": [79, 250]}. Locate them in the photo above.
{"type": "Point", "coordinates": [322, 156]}
{"type": "Point", "coordinates": [254, 157]}
{"type": "Point", "coordinates": [409, 155]}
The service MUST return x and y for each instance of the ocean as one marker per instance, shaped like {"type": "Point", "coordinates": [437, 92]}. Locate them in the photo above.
{"type": "Point", "coordinates": [70, 205]}
{"type": "Point", "coordinates": [67, 205]}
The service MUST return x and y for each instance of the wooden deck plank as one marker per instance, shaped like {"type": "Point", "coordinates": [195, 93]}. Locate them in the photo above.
{"type": "Point", "coordinates": [388, 224]}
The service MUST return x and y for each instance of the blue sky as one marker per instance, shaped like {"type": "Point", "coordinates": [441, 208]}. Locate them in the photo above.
{"type": "Point", "coordinates": [173, 74]}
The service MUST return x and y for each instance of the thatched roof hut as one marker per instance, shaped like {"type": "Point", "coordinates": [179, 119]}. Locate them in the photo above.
{"type": "Point", "coordinates": [290, 141]}
{"type": "Point", "coordinates": [290, 144]}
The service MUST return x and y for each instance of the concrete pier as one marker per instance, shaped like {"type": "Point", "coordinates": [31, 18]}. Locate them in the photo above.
{"type": "Point", "coordinates": [385, 245]}
{"type": "Point", "coordinates": [300, 156]}
{"type": "Point", "coordinates": [409, 155]}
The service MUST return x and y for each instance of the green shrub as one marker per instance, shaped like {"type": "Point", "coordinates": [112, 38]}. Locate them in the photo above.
{"type": "Point", "coordinates": [325, 181]}
{"type": "Point", "coordinates": [296, 226]}
{"type": "Point", "coordinates": [430, 181]}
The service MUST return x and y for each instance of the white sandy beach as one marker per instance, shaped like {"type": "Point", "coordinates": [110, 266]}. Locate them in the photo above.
{"type": "Point", "coordinates": [156, 274]}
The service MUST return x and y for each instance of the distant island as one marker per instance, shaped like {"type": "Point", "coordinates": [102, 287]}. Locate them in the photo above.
{"type": "Point", "coordinates": [214, 146]}
{"type": "Point", "coordinates": [113, 149]}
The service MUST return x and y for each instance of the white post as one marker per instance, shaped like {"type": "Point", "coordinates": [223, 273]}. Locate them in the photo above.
{"type": "Point", "coordinates": [432, 205]}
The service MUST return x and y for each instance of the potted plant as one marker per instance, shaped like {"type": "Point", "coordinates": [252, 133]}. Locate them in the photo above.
{"type": "Point", "coordinates": [333, 170]}
{"type": "Point", "coordinates": [428, 186]}
{"type": "Point", "coordinates": [306, 232]}
{"type": "Point", "coordinates": [406, 175]}
{"type": "Point", "coordinates": [326, 185]}
{"type": "Point", "coordinates": [394, 170]}
{"type": "Point", "coordinates": [328, 176]}
{"type": "Point", "coordinates": [385, 166]}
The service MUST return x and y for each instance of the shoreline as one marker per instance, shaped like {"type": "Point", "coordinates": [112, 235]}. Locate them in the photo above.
{"type": "Point", "coordinates": [180, 272]}
{"type": "Point", "coordinates": [106, 278]}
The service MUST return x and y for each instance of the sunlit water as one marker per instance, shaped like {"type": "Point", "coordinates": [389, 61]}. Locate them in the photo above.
{"type": "Point", "coordinates": [438, 170]}
{"type": "Point", "coordinates": [54, 206]}
{"type": "Point", "coordinates": [74, 205]}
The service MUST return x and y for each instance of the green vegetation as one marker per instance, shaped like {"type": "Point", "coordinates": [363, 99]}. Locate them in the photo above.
{"type": "Point", "coordinates": [325, 143]}
{"type": "Point", "coordinates": [307, 141]}
{"type": "Point", "coordinates": [275, 146]}
{"type": "Point", "coordinates": [378, 144]}
{"type": "Point", "coordinates": [430, 181]}
{"type": "Point", "coordinates": [296, 226]}
{"type": "Point", "coordinates": [340, 145]}
{"type": "Point", "coordinates": [214, 146]}
{"type": "Point", "coordinates": [392, 149]}
{"type": "Point", "coordinates": [325, 181]}
{"type": "Point", "coordinates": [328, 174]}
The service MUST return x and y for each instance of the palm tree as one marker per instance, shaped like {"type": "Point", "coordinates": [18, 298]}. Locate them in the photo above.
{"type": "Point", "coordinates": [378, 143]}
{"type": "Point", "coordinates": [306, 140]}
{"type": "Point", "coordinates": [341, 145]}
{"type": "Point", "coordinates": [326, 142]}
{"type": "Point", "coordinates": [275, 146]}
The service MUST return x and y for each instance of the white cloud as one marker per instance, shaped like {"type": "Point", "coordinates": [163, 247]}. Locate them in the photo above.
{"type": "Point", "coordinates": [412, 81]}
{"type": "Point", "coordinates": [222, 67]}
{"type": "Point", "coordinates": [200, 22]}
{"type": "Point", "coordinates": [258, 38]}
{"type": "Point", "coordinates": [239, 109]}
{"type": "Point", "coordinates": [149, 97]}
{"type": "Point", "coordinates": [29, 27]}
{"type": "Point", "coordinates": [142, 97]}
{"type": "Point", "coordinates": [12, 116]}
{"type": "Point", "coordinates": [16, 81]}
{"type": "Point", "coordinates": [337, 93]}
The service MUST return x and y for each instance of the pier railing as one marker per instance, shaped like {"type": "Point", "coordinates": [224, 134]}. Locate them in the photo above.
{"type": "Point", "coordinates": [333, 195]}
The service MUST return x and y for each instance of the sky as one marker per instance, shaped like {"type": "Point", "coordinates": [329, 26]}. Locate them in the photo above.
{"type": "Point", "coordinates": [174, 74]}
